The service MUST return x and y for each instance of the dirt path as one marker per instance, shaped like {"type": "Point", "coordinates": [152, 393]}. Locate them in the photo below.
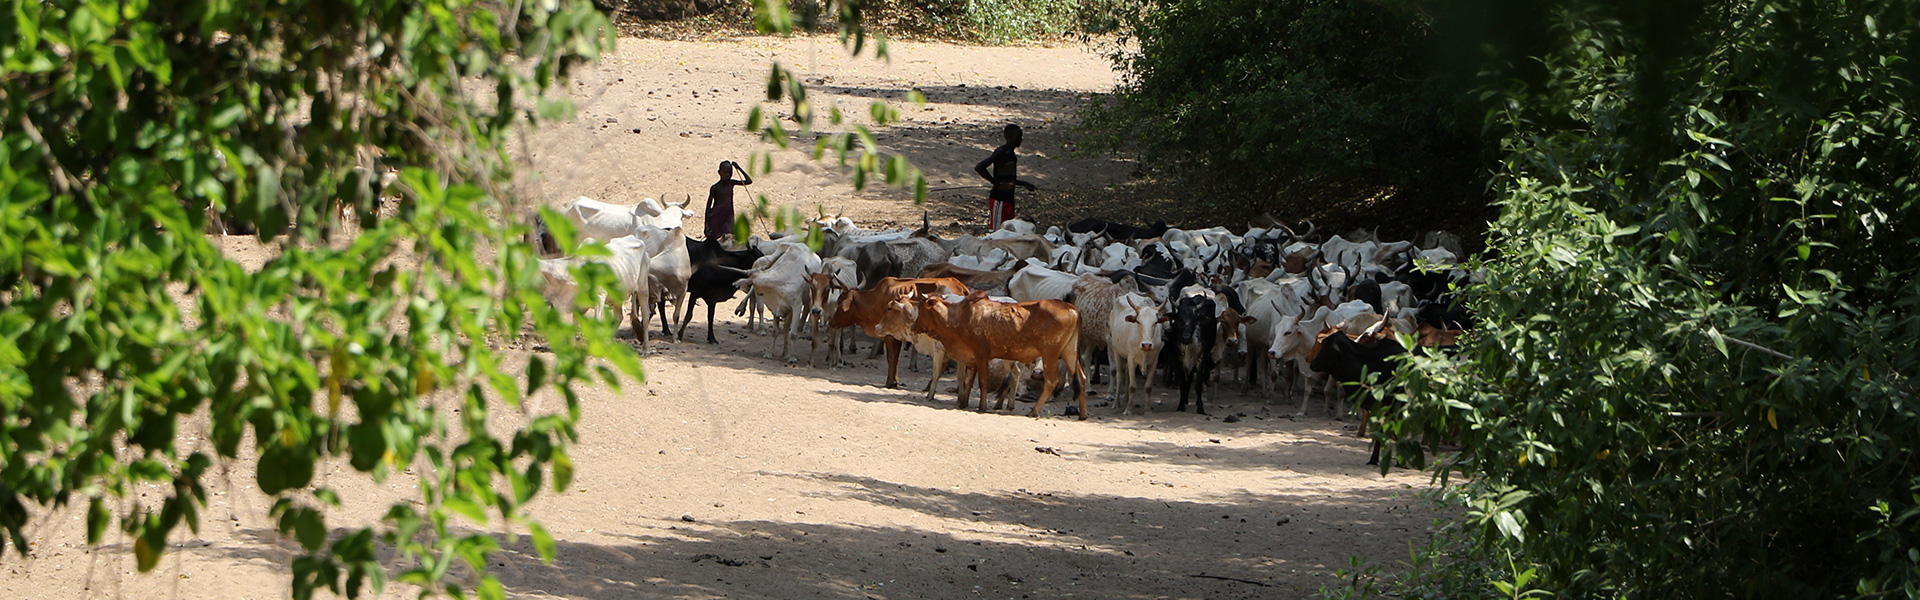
{"type": "Point", "coordinates": [657, 117]}
{"type": "Point", "coordinates": [818, 483]}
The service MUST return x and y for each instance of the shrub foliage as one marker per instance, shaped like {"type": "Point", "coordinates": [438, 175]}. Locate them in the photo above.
{"type": "Point", "coordinates": [1295, 103]}
{"type": "Point", "coordinates": [125, 123]}
{"type": "Point", "coordinates": [1694, 377]}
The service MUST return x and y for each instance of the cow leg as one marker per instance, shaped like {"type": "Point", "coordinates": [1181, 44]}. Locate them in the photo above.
{"type": "Point", "coordinates": [1087, 359]}
{"type": "Point", "coordinates": [1181, 378]}
{"type": "Point", "coordinates": [1306, 388]}
{"type": "Point", "coordinates": [967, 374]}
{"type": "Point", "coordinates": [813, 342]}
{"type": "Point", "coordinates": [664, 320]}
{"type": "Point", "coordinates": [1251, 364]}
{"type": "Point", "coordinates": [1200, 386]}
{"type": "Point", "coordinates": [1075, 369]}
{"type": "Point", "coordinates": [939, 369]}
{"type": "Point", "coordinates": [1148, 367]}
{"type": "Point", "coordinates": [1374, 458]}
{"type": "Point", "coordinates": [684, 319]}
{"type": "Point", "coordinates": [796, 322]}
{"type": "Point", "coordinates": [679, 306]}
{"type": "Point", "coordinates": [1005, 399]}
{"type": "Point", "coordinates": [1051, 368]}
{"type": "Point", "coordinates": [893, 360]}
{"type": "Point", "coordinates": [710, 338]}
{"type": "Point", "coordinates": [637, 319]}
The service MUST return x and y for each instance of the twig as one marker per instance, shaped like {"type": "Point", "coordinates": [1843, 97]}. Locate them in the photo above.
{"type": "Point", "coordinates": [1774, 353]}
{"type": "Point", "coordinates": [1696, 415]}
{"type": "Point", "coordinates": [1206, 576]}
{"type": "Point", "coordinates": [62, 180]}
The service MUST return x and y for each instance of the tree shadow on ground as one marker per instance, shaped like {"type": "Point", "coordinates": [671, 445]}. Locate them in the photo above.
{"type": "Point", "coordinates": [1004, 545]}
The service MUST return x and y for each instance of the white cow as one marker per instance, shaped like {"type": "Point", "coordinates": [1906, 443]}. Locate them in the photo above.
{"type": "Point", "coordinates": [1037, 282]}
{"type": "Point", "coordinates": [1134, 335]}
{"type": "Point", "coordinates": [781, 283]}
{"type": "Point", "coordinates": [629, 263]}
{"type": "Point", "coordinates": [669, 270]}
{"type": "Point", "coordinates": [598, 220]}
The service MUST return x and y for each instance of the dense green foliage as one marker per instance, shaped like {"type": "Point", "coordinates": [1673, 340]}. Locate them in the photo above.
{"type": "Point", "coordinates": [992, 21]}
{"type": "Point", "coordinates": [1269, 100]}
{"type": "Point", "coordinates": [1694, 376]}
{"type": "Point", "coordinates": [123, 327]}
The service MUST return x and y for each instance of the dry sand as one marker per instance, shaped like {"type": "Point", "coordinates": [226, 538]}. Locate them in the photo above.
{"type": "Point", "coordinates": [818, 483]}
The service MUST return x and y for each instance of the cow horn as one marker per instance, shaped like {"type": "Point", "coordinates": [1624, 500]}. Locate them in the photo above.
{"type": "Point", "coordinates": [1310, 229]}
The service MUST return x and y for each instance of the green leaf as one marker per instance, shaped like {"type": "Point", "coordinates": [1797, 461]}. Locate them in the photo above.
{"type": "Point", "coordinates": [562, 471]}
{"type": "Point", "coordinates": [310, 528]}
{"type": "Point", "coordinates": [542, 542]}
{"type": "Point", "coordinates": [98, 518]}
{"type": "Point", "coordinates": [466, 508]}
{"type": "Point", "coordinates": [283, 468]}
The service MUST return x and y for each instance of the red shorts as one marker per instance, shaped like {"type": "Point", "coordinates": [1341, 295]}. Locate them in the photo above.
{"type": "Point", "coordinates": [998, 211]}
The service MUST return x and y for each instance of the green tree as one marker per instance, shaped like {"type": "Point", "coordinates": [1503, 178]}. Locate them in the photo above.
{"type": "Point", "coordinates": [125, 123]}
{"type": "Point", "coordinates": [1271, 101]}
{"type": "Point", "coordinates": [1694, 374]}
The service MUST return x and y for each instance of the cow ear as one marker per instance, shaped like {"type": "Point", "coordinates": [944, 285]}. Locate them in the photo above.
{"type": "Point", "coordinates": [1132, 319]}
{"type": "Point", "coordinates": [1249, 320]}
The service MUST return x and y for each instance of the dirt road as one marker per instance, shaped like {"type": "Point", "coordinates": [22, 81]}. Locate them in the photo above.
{"type": "Point", "coordinates": [731, 475]}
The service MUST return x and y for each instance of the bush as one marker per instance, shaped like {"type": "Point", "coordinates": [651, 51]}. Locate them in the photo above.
{"type": "Point", "coordinates": [128, 124]}
{"type": "Point", "coordinates": [1694, 377]}
{"type": "Point", "coordinates": [1285, 103]}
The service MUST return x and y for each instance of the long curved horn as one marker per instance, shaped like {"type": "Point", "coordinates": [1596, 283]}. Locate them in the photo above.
{"type": "Point", "coordinates": [1310, 229]}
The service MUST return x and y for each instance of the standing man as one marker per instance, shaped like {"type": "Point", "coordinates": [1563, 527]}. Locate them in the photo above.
{"type": "Point", "coordinates": [720, 200]}
{"type": "Point", "coordinates": [1003, 178]}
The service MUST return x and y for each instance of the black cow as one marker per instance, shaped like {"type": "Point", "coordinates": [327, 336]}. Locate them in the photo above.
{"type": "Point", "coordinates": [710, 252]}
{"type": "Point", "coordinates": [709, 282]}
{"type": "Point", "coordinates": [712, 284]}
{"type": "Point", "coordinates": [1347, 361]}
{"type": "Point", "coordinates": [1446, 313]}
{"type": "Point", "coordinates": [1368, 290]}
{"type": "Point", "coordinates": [1118, 231]}
{"type": "Point", "coordinates": [1193, 332]}
{"type": "Point", "coordinates": [1427, 285]}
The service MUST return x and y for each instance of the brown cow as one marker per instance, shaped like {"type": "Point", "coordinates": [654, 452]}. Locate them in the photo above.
{"type": "Point", "coordinates": [982, 330]}
{"type": "Point", "coordinates": [866, 308]}
{"type": "Point", "coordinates": [974, 278]}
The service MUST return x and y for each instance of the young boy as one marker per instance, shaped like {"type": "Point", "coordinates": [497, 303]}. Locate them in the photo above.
{"type": "Point", "coordinates": [720, 200]}
{"type": "Point", "coordinates": [1003, 178]}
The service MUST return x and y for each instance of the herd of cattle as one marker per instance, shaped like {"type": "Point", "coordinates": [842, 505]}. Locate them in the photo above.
{"type": "Point", "coordinates": [1278, 305]}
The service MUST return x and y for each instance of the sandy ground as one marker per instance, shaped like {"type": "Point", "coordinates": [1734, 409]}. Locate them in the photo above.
{"type": "Point", "coordinates": [728, 474]}
{"type": "Point", "coordinates": [657, 117]}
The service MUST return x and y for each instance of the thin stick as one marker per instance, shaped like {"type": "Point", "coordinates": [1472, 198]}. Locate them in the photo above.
{"type": "Point", "coordinates": [1206, 576]}
{"type": "Point", "coordinates": [1774, 353]}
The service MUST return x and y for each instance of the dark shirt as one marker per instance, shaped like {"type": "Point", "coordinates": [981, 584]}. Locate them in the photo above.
{"type": "Point", "coordinates": [1005, 172]}
{"type": "Point", "coordinates": [720, 207]}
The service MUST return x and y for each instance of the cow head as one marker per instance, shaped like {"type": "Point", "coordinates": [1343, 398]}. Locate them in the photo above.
{"type": "Point", "coordinates": [1144, 317]}
{"type": "Point", "coordinates": [930, 311]}
{"type": "Point", "coordinates": [1288, 340]}
{"type": "Point", "coordinates": [1231, 324]}
{"type": "Point", "coordinates": [1193, 317]}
